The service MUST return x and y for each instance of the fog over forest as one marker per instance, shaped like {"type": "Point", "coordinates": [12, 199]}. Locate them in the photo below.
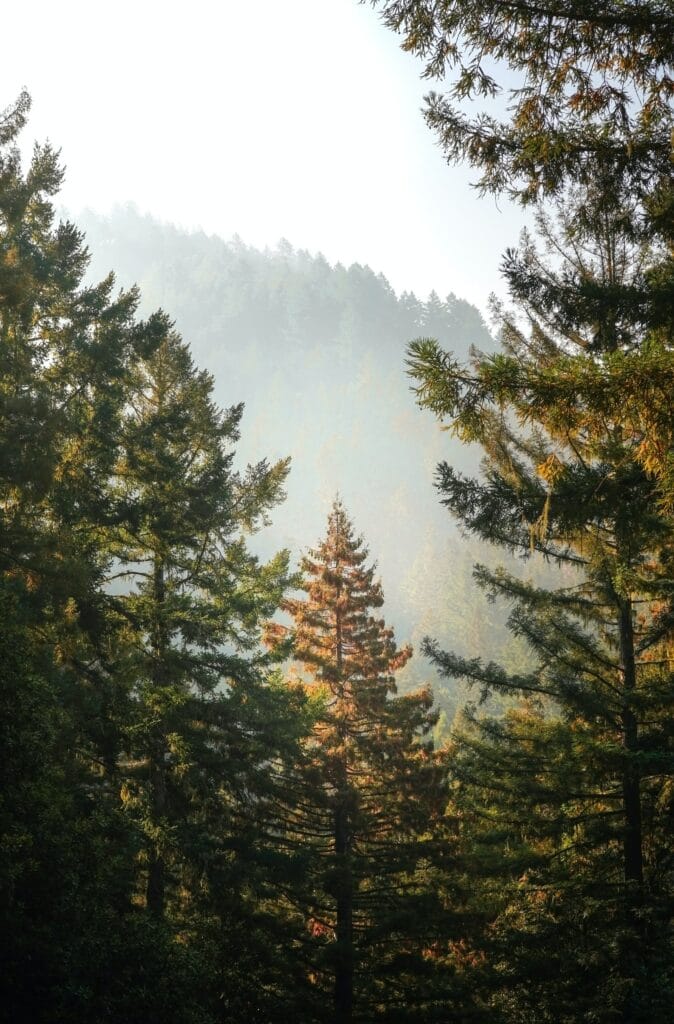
{"type": "Point", "coordinates": [336, 622]}
{"type": "Point", "coordinates": [317, 354]}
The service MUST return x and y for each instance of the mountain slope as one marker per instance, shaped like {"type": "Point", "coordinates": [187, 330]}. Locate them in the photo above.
{"type": "Point", "coordinates": [316, 353]}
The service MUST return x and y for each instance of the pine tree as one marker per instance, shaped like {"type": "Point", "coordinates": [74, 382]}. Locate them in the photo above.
{"type": "Point", "coordinates": [577, 784]}
{"type": "Point", "coordinates": [372, 790]}
{"type": "Point", "coordinates": [575, 423]}
{"type": "Point", "coordinates": [115, 466]}
{"type": "Point", "coordinates": [588, 84]}
{"type": "Point", "coordinates": [66, 351]}
{"type": "Point", "coordinates": [206, 725]}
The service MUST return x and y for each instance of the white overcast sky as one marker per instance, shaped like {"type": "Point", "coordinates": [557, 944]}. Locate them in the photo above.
{"type": "Point", "coordinates": [274, 118]}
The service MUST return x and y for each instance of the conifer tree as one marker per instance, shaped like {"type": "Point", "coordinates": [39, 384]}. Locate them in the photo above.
{"type": "Point", "coordinates": [577, 782]}
{"type": "Point", "coordinates": [66, 350]}
{"type": "Point", "coordinates": [206, 724]}
{"type": "Point", "coordinates": [588, 481]}
{"type": "Point", "coordinates": [115, 466]}
{"type": "Point", "coordinates": [372, 789]}
{"type": "Point", "coordinates": [587, 84]}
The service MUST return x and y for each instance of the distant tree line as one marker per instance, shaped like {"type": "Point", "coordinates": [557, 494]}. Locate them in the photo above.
{"type": "Point", "coordinates": [230, 290]}
{"type": "Point", "coordinates": [316, 350]}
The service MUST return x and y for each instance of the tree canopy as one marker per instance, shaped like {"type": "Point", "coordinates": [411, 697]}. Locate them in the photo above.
{"type": "Point", "coordinates": [584, 82]}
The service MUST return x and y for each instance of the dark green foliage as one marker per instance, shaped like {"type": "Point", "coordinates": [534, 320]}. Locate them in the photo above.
{"type": "Point", "coordinates": [205, 734]}
{"type": "Point", "coordinates": [183, 835]}
{"type": "Point", "coordinates": [142, 740]}
{"type": "Point", "coordinates": [587, 84]}
{"type": "Point", "coordinates": [567, 798]}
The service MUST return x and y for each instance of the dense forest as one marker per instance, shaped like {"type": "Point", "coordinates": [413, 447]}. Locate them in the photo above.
{"type": "Point", "coordinates": [227, 795]}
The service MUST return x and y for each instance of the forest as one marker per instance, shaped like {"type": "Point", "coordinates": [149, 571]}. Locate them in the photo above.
{"type": "Point", "coordinates": [237, 786]}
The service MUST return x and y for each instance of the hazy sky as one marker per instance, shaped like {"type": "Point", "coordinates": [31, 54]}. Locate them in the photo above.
{"type": "Point", "coordinates": [274, 118]}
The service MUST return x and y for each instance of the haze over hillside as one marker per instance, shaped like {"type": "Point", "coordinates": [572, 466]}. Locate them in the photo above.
{"type": "Point", "coordinates": [317, 354]}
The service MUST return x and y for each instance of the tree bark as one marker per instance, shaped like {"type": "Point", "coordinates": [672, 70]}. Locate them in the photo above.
{"type": "Point", "coordinates": [344, 922]}
{"type": "Point", "coordinates": [156, 872]}
{"type": "Point", "coordinates": [631, 782]}
{"type": "Point", "coordinates": [633, 868]}
{"type": "Point", "coordinates": [155, 893]}
{"type": "Point", "coordinates": [344, 928]}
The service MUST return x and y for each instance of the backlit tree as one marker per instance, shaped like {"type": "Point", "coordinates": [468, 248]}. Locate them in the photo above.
{"type": "Point", "coordinates": [372, 790]}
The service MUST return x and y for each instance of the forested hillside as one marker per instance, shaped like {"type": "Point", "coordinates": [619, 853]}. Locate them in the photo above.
{"type": "Point", "coordinates": [317, 355]}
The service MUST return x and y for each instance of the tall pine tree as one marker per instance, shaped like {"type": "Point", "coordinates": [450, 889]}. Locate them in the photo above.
{"type": "Point", "coordinates": [578, 781]}
{"type": "Point", "coordinates": [65, 355]}
{"type": "Point", "coordinates": [115, 466]}
{"type": "Point", "coordinates": [372, 793]}
{"type": "Point", "coordinates": [206, 724]}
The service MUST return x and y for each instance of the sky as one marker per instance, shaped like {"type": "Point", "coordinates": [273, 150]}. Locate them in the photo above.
{"type": "Point", "coordinates": [296, 119]}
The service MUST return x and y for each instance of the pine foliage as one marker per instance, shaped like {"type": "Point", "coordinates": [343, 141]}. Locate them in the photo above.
{"type": "Point", "coordinates": [144, 734]}
{"type": "Point", "coordinates": [575, 782]}
{"type": "Point", "coordinates": [373, 793]}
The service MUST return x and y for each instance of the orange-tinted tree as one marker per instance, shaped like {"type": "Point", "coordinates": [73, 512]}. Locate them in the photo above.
{"type": "Point", "coordinates": [371, 792]}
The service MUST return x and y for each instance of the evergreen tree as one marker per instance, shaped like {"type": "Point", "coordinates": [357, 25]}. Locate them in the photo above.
{"type": "Point", "coordinates": [589, 83]}
{"type": "Point", "coordinates": [577, 785]}
{"type": "Point", "coordinates": [584, 480]}
{"type": "Point", "coordinates": [65, 356]}
{"type": "Point", "coordinates": [372, 792]}
{"type": "Point", "coordinates": [115, 465]}
{"type": "Point", "coordinates": [204, 728]}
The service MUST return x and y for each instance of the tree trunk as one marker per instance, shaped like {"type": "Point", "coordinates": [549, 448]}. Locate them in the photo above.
{"type": "Point", "coordinates": [156, 872]}
{"type": "Point", "coordinates": [344, 929]}
{"type": "Point", "coordinates": [632, 843]}
{"type": "Point", "coordinates": [633, 868]}
{"type": "Point", "coordinates": [344, 924]}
